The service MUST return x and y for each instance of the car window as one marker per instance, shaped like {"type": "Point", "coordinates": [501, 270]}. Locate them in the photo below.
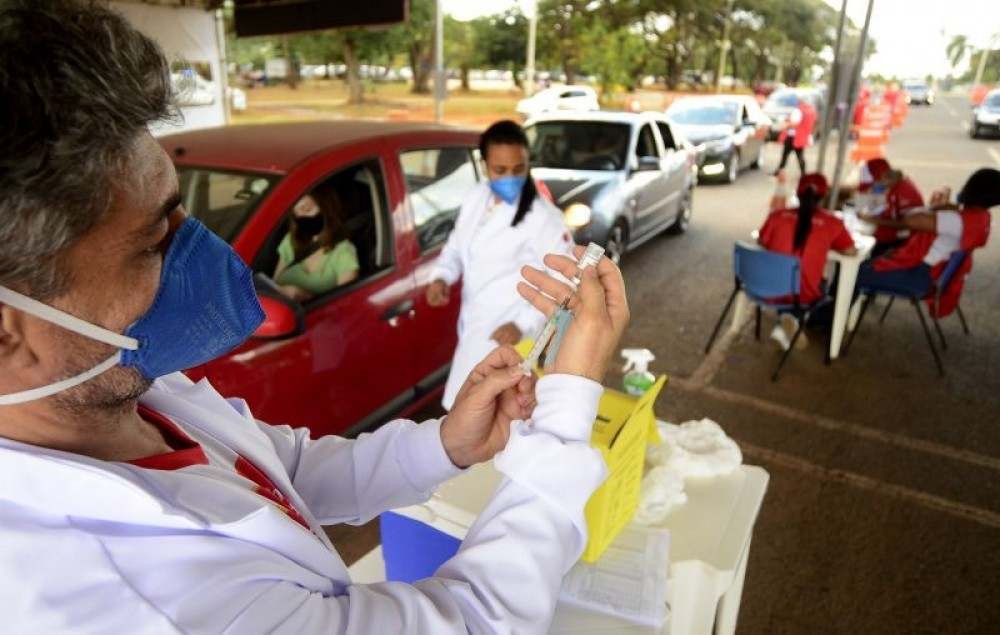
{"type": "Point", "coordinates": [646, 145]}
{"type": "Point", "coordinates": [667, 135]}
{"type": "Point", "coordinates": [355, 233]}
{"type": "Point", "coordinates": [578, 145]}
{"type": "Point", "coordinates": [223, 201]}
{"type": "Point", "coordinates": [437, 181]}
{"type": "Point", "coordinates": [703, 114]}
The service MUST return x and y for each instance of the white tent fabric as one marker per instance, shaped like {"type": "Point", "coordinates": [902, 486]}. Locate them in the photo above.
{"type": "Point", "coordinates": [186, 35]}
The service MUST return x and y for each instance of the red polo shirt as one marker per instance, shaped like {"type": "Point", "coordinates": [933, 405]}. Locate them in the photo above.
{"type": "Point", "coordinates": [828, 232]}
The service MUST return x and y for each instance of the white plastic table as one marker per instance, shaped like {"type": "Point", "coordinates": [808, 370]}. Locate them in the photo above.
{"type": "Point", "coordinates": [709, 548]}
{"type": "Point", "coordinates": [849, 267]}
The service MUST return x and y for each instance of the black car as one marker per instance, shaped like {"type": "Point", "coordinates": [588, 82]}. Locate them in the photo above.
{"type": "Point", "coordinates": [729, 130]}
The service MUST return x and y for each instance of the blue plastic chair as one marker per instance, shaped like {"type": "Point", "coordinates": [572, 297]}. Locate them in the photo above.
{"type": "Point", "coordinates": [951, 268]}
{"type": "Point", "coordinates": [764, 275]}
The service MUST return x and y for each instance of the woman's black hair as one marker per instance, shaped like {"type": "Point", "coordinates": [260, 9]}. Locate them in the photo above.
{"type": "Point", "coordinates": [808, 204]}
{"type": "Point", "coordinates": [507, 132]}
{"type": "Point", "coordinates": [981, 190]}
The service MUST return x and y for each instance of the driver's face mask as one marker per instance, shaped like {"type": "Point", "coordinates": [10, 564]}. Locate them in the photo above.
{"type": "Point", "coordinates": [205, 306]}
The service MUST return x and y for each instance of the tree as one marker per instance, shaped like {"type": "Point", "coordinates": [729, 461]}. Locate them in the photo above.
{"type": "Point", "coordinates": [461, 47]}
{"type": "Point", "coordinates": [618, 56]}
{"type": "Point", "coordinates": [562, 33]}
{"type": "Point", "coordinates": [416, 37]}
{"type": "Point", "coordinates": [957, 47]}
{"type": "Point", "coordinates": [501, 40]}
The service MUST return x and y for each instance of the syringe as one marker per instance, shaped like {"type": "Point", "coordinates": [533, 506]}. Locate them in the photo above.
{"type": "Point", "coordinates": [590, 258]}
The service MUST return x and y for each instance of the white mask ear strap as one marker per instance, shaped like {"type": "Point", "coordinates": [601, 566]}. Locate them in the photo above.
{"type": "Point", "coordinates": [46, 391]}
{"type": "Point", "coordinates": [65, 320]}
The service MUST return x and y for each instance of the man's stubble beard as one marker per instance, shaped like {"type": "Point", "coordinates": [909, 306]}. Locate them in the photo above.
{"type": "Point", "coordinates": [110, 392]}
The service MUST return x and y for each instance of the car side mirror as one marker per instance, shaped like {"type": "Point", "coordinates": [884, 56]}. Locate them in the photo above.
{"type": "Point", "coordinates": [284, 318]}
{"type": "Point", "coordinates": [648, 164]}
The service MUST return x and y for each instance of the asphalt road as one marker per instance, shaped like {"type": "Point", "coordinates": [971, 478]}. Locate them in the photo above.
{"type": "Point", "coordinates": [883, 512]}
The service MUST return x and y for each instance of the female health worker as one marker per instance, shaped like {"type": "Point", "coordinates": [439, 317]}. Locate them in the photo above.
{"type": "Point", "coordinates": [502, 226]}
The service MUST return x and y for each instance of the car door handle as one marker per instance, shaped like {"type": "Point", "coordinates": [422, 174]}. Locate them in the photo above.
{"type": "Point", "coordinates": [391, 315]}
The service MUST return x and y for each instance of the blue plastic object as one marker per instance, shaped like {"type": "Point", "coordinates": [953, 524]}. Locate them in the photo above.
{"type": "Point", "coordinates": [766, 274]}
{"type": "Point", "coordinates": [954, 262]}
{"type": "Point", "coordinates": [413, 550]}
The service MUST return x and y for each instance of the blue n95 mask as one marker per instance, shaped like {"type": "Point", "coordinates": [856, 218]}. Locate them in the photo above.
{"type": "Point", "coordinates": [205, 306]}
{"type": "Point", "coordinates": [508, 188]}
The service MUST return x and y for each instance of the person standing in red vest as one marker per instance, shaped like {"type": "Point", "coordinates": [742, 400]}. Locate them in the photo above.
{"type": "Point", "coordinates": [797, 135]}
{"type": "Point", "coordinates": [945, 228]}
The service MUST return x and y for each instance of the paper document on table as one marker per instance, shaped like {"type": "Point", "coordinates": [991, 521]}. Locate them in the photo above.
{"type": "Point", "coordinates": [630, 579]}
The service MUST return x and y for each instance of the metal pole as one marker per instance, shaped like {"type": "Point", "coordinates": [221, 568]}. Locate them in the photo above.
{"type": "Point", "coordinates": [832, 96]}
{"type": "Point", "coordinates": [723, 46]}
{"type": "Point", "coordinates": [529, 70]}
{"type": "Point", "coordinates": [439, 78]}
{"type": "Point", "coordinates": [983, 56]}
{"type": "Point", "coordinates": [852, 98]}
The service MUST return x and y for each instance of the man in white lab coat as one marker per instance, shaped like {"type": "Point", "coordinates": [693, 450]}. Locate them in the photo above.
{"type": "Point", "coordinates": [133, 500]}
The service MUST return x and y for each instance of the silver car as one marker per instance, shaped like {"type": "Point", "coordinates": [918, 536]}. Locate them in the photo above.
{"type": "Point", "coordinates": [620, 178]}
{"type": "Point", "coordinates": [918, 92]}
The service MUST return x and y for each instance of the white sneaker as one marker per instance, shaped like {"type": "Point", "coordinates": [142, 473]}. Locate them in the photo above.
{"type": "Point", "coordinates": [778, 335]}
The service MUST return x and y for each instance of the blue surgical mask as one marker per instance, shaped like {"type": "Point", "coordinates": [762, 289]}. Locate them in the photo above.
{"type": "Point", "coordinates": [205, 306]}
{"type": "Point", "coordinates": [879, 188]}
{"type": "Point", "coordinates": [508, 188]}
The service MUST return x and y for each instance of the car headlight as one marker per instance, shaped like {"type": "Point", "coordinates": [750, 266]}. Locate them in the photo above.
{"type": "Point", "coordinates": [577, 215]}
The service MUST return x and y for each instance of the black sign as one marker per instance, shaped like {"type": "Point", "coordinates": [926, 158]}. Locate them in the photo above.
{"type": "Point", "coordinates": [273, 17]}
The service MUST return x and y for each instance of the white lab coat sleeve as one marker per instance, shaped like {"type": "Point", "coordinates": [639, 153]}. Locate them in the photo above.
{"type": "Point", "coordinates": [352, 481]}
{"type": "Point", "coordinates": [448, 266]}
{"type": "Point", "coordinates": [551, 237]}
{"type": "Point", "coordinates": [505, 577]}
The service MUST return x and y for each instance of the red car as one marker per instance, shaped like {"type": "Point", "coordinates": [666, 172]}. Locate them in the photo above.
{"type": "Point", "coordinates": [372, 349]}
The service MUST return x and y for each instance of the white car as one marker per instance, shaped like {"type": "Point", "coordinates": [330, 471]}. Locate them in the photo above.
{"type": "Point", "coordinates": [568, 98]}
{"type": "Point", "coordinates": [191, 89]}
{"type": "Point", "coordinates": [986, 116]}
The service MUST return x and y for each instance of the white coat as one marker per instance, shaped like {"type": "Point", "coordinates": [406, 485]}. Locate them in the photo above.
{"type": "Point", "coordinates": [487, 254]}
{"type": "Point", "coordinates": [89, 546]}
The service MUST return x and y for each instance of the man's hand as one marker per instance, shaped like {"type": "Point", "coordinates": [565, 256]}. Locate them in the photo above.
{"type": "Point", "coordinates": [599, 306]}
{"type": "Point", "coordinates": [496, 393]}
{"type": "Point", "coordinates": [507, 335]}
{"type": "Point", "coordinates": [438, 293]}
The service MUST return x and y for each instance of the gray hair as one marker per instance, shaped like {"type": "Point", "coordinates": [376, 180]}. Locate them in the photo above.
{"type": "Point", "coordinates": [78, 84]}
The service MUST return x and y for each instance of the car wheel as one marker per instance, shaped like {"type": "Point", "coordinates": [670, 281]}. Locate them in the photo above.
{"type": "Point", "coordinates": [733, 168]}
{"type": "Point", "coordinates": [614, 248]}
{"type": "Point", "coordinates": [974, 130]}
{"type": "Point", "coordinates": [684, 214]}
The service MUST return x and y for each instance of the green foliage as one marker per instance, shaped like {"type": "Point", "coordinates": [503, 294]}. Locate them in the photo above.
{"type": "Point", "coordinates": [618, 41]}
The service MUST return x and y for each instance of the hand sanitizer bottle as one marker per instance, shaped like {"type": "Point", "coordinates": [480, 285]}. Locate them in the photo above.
{"type": "Point", "coordinates": [638, 379]}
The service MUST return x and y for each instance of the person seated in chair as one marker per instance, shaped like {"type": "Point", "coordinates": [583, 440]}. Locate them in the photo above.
{"type": "Point", "coordinates": [945, 228]}
{"type": "Point", "coordinates": [315, 255]}
{"type": "Point", "coordinates": [809, 232]}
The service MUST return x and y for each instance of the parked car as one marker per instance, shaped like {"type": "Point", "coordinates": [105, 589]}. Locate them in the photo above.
{"type": "Point", "coordinates": [621, 178]}
{"type": "Point", "coordinates": [986, 116]}
{"type": "Point", "coordinates": [191, 89]}
{"type": "Point", "coordinates": [572, 98]}
{"type": "Point", "coordinates": [731, 130]}
{"type": "Point", "coordinates": [918, 92]}
{"type": "Point", "coordinates": [351, 358]}
{"type": "Point", "coordinates": [779, 105]}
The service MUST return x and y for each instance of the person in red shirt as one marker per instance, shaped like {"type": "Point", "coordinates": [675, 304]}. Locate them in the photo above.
{"type": "Point", "coordinates": [798, 134]}
{"type": "Point", "coordinates": [809, 232]}
{"type": "Point", "coordinates": [901, 197]}
{"type": "Point", "coordinates": [912, 268]}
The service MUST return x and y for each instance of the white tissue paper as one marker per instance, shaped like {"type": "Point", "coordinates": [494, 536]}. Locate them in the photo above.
{"type": "Point", "coordinates": [661, 491]}
{"type": "Point", "coordinates": [695, 449]}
